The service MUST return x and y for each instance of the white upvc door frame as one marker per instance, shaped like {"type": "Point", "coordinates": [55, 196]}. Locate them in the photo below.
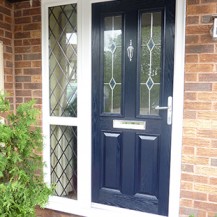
{"type": "Point", "coordinates": [83, 205]}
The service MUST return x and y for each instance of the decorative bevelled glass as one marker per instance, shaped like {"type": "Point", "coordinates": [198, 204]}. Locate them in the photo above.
{"type": "Point", "coordinates": [150, 72]}
{"type": "Point", "coordinates": [112, 64]}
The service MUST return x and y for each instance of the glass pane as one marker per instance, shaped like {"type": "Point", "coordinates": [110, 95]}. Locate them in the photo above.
{"type": "Point", "coordinates": [146, 30]}
{"type": "Point", "coordinates": [145, 64]}
{"type": "Point", "coordinates": [150, 72]}
{"type": "Point", "coordinates": [117, 63]}
{"type": "Point", "coordinates": [107, 64]}
{"type": "Point", "coordinates": [156, 64]}
{"type": "Point", "coordinates": [116, 99]}
{"type": "Point", "coordinates": [144, 99]}
{"type": "Point", "coordinates": [156, 30]}
{"type": "Point", "coordinates": [112, 64]}
{"type": "Point", "coordinates": [63, 60]}
{"type": "Point", "coordinates": [154, 99]}
{"type": "Point", "coordinates": [64, 160]}
{"type": "Point", "coordinates": [107, 98]}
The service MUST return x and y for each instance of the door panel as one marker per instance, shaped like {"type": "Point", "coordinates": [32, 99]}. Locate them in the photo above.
{"type": "Point", "coordinates": [132, 74]}
{"type": "Point", "coordinates": [112, 157]}
{"type": "Point", "coordinates": [148, 170]}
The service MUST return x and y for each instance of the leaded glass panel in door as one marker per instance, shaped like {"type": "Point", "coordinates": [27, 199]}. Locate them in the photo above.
{"type": "Point", "coordinates": [63, 98]}
{"type": "Point", "coordinates": [63, 60]}
{"type": "Point", "coordinates": [150, 73]}
{"type": "Point", "coordinates": [112, 64]}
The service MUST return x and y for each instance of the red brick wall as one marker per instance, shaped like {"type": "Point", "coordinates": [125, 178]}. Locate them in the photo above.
{"type": "Point", "coordinates": [199, 160]}
{"type": "Point", "coordinates": [6, 36]}
{"type": "Point", "coordinates": [27, 48]}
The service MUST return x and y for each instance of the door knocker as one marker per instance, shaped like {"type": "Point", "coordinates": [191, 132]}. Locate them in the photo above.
{"type": "Point", "coordinates": [130, 50]}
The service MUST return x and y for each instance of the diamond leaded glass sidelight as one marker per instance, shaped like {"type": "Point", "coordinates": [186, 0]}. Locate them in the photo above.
{"type": "Point", "coordinates": [63, 60]}
{"type": "Point", "coordinates": [64, 160]}
{"type": "Point", "coordinates": [63, 98]}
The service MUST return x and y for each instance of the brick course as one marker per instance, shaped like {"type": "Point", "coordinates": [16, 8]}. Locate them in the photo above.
{"type": "Point", "coordinates": [27, 48]}
{"type": "Point", "coordinates": [199, 173]}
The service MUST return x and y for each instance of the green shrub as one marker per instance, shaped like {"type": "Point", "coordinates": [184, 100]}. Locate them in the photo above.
{"type": "Point", "coordinates": [21, 178]}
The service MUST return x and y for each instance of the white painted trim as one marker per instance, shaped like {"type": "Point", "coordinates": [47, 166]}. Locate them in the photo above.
{"type": "Point", "coordinates": [1, 68]}
{"type": "Point", "coordinates": [84, 107]}
{"type": "Point", "coordinates": [45, 93]}
{"type": "Point", "coordinates": [67, 206]}
{"type": "Point", "coordinates": [63, 121]}
{"type": "Point", "coordinates": [48, 120]}
{"type": "Point", "coordinates": [99, 210]}
{"type": "Point", "coordinates": [83, 205]}
{"type": "Point", "coordinates": [178, 107]}
{"type": "Point", "coordinates": [52, 3]}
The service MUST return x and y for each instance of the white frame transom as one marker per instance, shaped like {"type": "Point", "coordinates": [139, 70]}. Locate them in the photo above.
{"type": "Point", "coordinates": [83, 205]}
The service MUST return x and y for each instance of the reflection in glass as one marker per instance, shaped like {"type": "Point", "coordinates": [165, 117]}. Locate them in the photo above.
{"type": "Point", "coordinates": [63, 60]}
{"type": "Point", "coordinates": [112, 64]}
{"type": "Point", "coordinates": [150, 63]}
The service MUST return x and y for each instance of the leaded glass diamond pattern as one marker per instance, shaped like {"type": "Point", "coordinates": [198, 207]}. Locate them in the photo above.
{"type": "Point", "coordinates": [112, 64]}
{"type": "Point", "coordinates": [113, 47]}
{"type": "Point", "coordinates": [64, 160]}
{"type": "Point", "coordinates": [151, 44]}
{"type": "Point", "coordinates": [150, 74]}
{"type": "Point", "coordinates": [63, 60]}
{"type": "Point", "coordinates": [150, 83]}
{"type": "Point", "coordinates": [112, 83]}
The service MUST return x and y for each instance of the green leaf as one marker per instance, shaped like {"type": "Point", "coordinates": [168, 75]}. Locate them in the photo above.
{"type": "Point", "coordinates": [21, 177]}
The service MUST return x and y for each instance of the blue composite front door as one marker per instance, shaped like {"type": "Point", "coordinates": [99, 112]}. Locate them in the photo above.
{"type": "Point", "coordinates": [132, 83]}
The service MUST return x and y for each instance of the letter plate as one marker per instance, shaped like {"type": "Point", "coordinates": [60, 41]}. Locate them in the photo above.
{"type": "Point", "coordinates": [128, 124]}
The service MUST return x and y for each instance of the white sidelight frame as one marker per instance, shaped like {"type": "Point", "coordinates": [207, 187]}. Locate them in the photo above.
{"type": "Point", "coordinates": [62, 121]}
{"type": "Point", "coordinates": [83, 205]}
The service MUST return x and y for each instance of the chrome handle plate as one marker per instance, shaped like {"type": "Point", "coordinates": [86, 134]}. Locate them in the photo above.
{"type": "Point", "coordinates": [169, 109]}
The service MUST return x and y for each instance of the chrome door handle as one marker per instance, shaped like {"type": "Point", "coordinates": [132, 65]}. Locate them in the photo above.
{"type": "Point", "coordinates": [160, 108]}
{"type": "Point", "coordinates": [169, 109]}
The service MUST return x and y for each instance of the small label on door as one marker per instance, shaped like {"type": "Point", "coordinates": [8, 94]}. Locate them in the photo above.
{"type": "Point", "coordinates": [128, 124]}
